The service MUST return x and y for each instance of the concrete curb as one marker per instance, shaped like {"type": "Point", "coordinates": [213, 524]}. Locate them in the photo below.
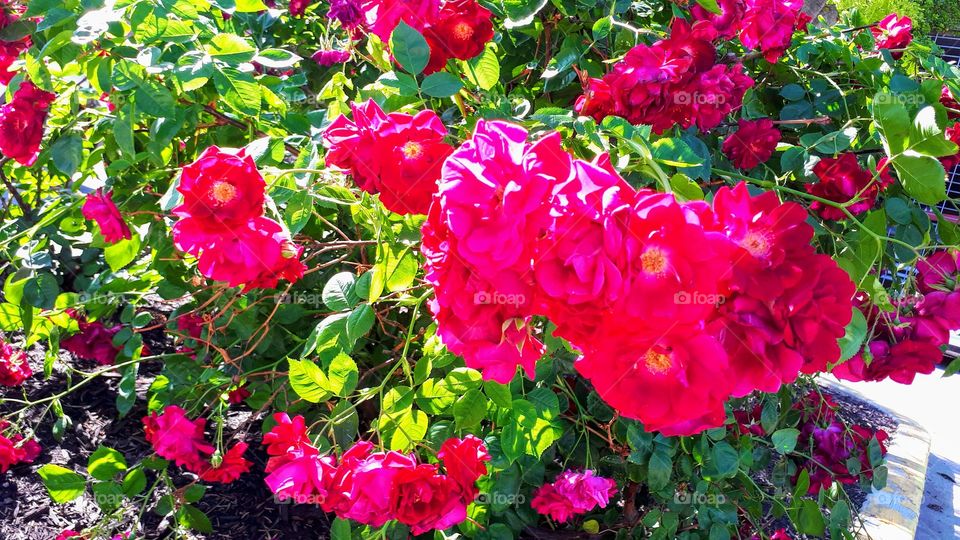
{"type": "Point", "coordinates": [894, 512]}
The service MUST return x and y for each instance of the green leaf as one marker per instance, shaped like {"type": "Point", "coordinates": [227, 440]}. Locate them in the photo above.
{"type": "Point", "coordinates": [498, 393]}
{"type": "Point", "coordinates": [127, 389]}
{"type": "Point", "coordinates": [239, 90]}
{"type": "Point", "coordinates": [854, 335]}
{"type": "Point", "coordinates": [67, 154]}
{"type": "Point", "coordinates": [230, 48]}
{"type": "Point", "coordinates": [470, 409]}
{"type": "Point", "coordinates": [441, 85]}
{"type": "Point", "coordinates": [338, 294]}
{"type": "Point", "coordinates": [810, 518]}
{"type": "Point", "coordinates": [659, 468]}
{"type": "Point", "coordinates": [62, 484]}
{"type": "Point", "coordinates": [922, 176]}
{"type": "Point", "coordinates": [340, 530]}
{"type": "Point", "coordinates": [484, 69]}
{"type": "Point", "coordinates": [193, 518]}
{"type": "Point", "coordinates": [724, 460]}
{"type": "Point", "coordinates": [277, 59]}
{"type": "Point", "coordinates": [406, 429]}
{"type": "Point", "coordinates": [308, 381]}
{"type": "Point", "coordinates": [250, 6]}
{"type": "Point", "coordinates": [712, 7]}
{"type": "Point", "coordinates": [342, 375]}
{"type": "Point", "coordinates": [154, 99]}
{"type": "Point", "coordinates": [360, 322]}
{"type": "Point", "coordinates": [521, 12]}
{"type": "Point", "coordinates": [122, 253]}
{"type": "Point", "coordinates": [134, 482]}
{"type": "Point", "coordinates": [409, 48]}
{"type": "Point", "coordinates": [104, 463]}
{"type": "Point", "coordinates": [785, 440]}
{"type": "Point", "coordinates": [41, 291]}
{"type": "Point", "coordinates": [299, 210]}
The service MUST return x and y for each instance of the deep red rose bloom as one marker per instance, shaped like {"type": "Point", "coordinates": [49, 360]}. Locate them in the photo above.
{"type": "Point", "coordinates": [675, 81]}
{"type": "Point", "coordinates": [222, 188]}
{"type": "Point", "coordinates": [327, 57]}
{"type": "Point", "coordinates": [948, 101]}
{"type": "Point", "coordinates": [14, 367]}
{"type": "Point", "coordinates": [752, 144]}
{"type": "Point", "coordinates": [953, 135]}
{"type": "Point", "coordinates": [425, 500]}
{"type": "Point", "coordinates": [396, 155]}
{"type": "Point", "coordinates": [768, 26]}
{"type": "Point", "coordinates": [15, 450]}
{"type": "Point", "coordinates": [238, 395]}
{"type": "Point", "coordinates": [899, 362]}
{"type": "Point", "coordinates": [256, 254]}
{"type": "Point", "coordinates": [893, 32]}
{"type": "Point", "coordinates": [348, 12]}
{"type": "Point", "coordinates": [299, 7]}
{"type": "Point", "coordinates": [68, 533]}
{"type": "Point", "coordinates": [177, 438]}
{"type": "Point", "coordinates": [383, 16]}
{"type": "Point", "coordinates": [727, 23]}
{"type": "Point", "coordinates": [99, 207]}
{"type": "Point", "coordinates": [936, 314]}
{"type": "Point", "coordinates": [233, 464]}
{"type": "Point", "coordinates": [938, 271]}
{"type": "Point", "coordinates": [463, 460]}
{"type": "Point", "coordinates": [94, 342]}
{"type": "Point", "coordinates": [668, 384]}
{"type": "Point", "coordinates": [841, 180]}
{"type": "Point", "coordinates": [9, 52]}
{"type": "Point", "coordinates": [818, 311]}
{"type": "Point", "coordinates": [461, 30]}
{"type": "Point", "coordinates": [22, 121]}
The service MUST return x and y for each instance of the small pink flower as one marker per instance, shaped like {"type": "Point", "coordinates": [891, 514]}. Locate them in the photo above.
{"type": "Point", "coordinates": [100, 207]}
{"type": "Point", "coordinates": [573, 493]}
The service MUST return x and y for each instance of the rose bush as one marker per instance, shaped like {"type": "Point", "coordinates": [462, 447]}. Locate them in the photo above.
{"type": "Point", "coordinates": [354, 220]}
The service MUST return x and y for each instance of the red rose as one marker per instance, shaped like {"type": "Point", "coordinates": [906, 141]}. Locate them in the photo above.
{"type": "Point", "coordinates": [21, 123]}
{"type": "Point", "coordinates": [9, 52]}
{"type": "Point", "coordinates": [231, 466]}
{"type": "Point", "coordinates": [948, 101]}
{"type": "Point", "coordinates": [752, 144]}
{"type": "Point", "coordinates": [14, 368]}
{"type": "Point", "coordinates": [221, 188]}
{"type": "Point", "coordinates": [99, 207]}
{"type": "Point", "coordinates": [463, 460]}
{"type": "Point", "coordinates": [953, 135]}
{"type": "Point", "coordinates": [842, 179]}
{"type": "Point", "coordinates": [396, 155]}
{"type": "Point", "coordinates": [462, 29]}
{"type": "Point", "coordinates": [425, 500]}
{"type": "Point", "coordinates": [893, 32]}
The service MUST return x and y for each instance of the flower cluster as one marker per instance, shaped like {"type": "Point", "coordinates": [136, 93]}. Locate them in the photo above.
{"type": "Point", "coordinates": [910, 341]}
{"type": "Point", "coordinates": [375, 487]}
{"type": "Point", "coordinates": [181, 440]}
{"type": "Point", "coordinates": [15, 449]}
{"type": "Point", "coordinates": [674, 306]}
{"type": "Point", "coordinates": [99, 207]}
{"type": "Point", "coordinates": [396, 155]}
{"type": "Point", "coordinates": [14, 367]}
{"type": "Point", "coordinates": [675, 81]}
{"type": "Point", "coordinates": [953, 135]}
{"type": "Point", "coordinates": [94, 341]}
{"type": "Point", "coordinates": [222, 223]}
{"type": "Point", "coordinates": [832, 443]}
{"type": "Point", "coordinates": [573, 493]}
{"type": "Point", "coordinates": [764, 25]}
{"type": "Point", "coordinates": [948, 101]}
{"type": "Point", "coordinates": [893, 33]}
{"type": "Point", "coordinates": [842, 180]}
{"type": "Point", "coordinates": [10, 12]}
{"type": "Point", "coordinates": [21, 123]}
{"type": "Point", "coordinates": [752, 144]}
{"type": "Point", "coordinates": [453, 28]}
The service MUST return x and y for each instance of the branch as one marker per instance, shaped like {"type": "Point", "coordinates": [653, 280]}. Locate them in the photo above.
{"type": "Point", "coordinates": [13, 191]}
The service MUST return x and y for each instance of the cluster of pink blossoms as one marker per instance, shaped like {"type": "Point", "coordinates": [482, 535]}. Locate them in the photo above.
{"type": "Point", "coordinates": [675, 81]}
{"type": "Point", "coordinates": [843, 179]}
{"type": "Point", "coordinates": [14, 368]}
{"type": "Point", "coordinates": [181, 440]}
{"type": "Point", "coordinates": [15, 449]}
{"type": "Point", "coordinates": [396, 155]}
{"type": "Point", "coordinates": [893, 33]}
{"type": "Point", "coordinates": [674, 306]}
{"type": "Point", "coordinates": [910, 340]}
{"type": "Point", "coordinates": [22, 121]}
{"type": "Point", "coordinates": [222, 223]}
{"type": "Point", "coordinates": [573, 493]}
{"type": "Point", "coordinates": [375, 487]}
{"type": "Point", "coordinates": [752, 144]}
{"type": "Point", "coordinates": [763, 25]}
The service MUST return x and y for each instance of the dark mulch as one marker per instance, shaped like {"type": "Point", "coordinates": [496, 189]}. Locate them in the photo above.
{"type": "Point", "coordinates": [245, 509]}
